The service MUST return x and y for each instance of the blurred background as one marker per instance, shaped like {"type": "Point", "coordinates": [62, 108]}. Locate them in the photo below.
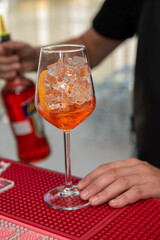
{"type": "Point", "coordinates": [105, 135]}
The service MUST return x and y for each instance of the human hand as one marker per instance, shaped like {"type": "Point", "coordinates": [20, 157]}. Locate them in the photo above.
{"type": "Point", "coordinates": [17, 56]}
{"type": "Point", "coordinates": [9, 63]}
{"type": "Point", "coordinates": [121, 183]}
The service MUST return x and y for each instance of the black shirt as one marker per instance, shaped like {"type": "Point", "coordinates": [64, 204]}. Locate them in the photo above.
{"type": "Point", "coordinates": [121, 19]}
{"type": "Point", "coordinates": [118, 19]}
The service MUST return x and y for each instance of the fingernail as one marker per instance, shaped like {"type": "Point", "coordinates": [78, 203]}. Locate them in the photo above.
{"type": "Point", "coordinates": [84, 193]}
{"type": "Point", "coordinates": [94, 199]}
{"type": "Point", "coordinates": [79, 185]}
{"type": "Point", "coordinates": [114, 201]}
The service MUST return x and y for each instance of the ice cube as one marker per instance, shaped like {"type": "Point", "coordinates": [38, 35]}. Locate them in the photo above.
{"type": "Point", "coordinates": [75, 61]}
{"type": "Point", "coordinates": [53, 70]}
{"type": "Point", "coordinates": [80, 92]}
{"type": "Point", "coordinates": [80, 61]}
{"type": "Point", "coordinates": [56, 99]}
{"type": "Point", "coordinates": [67, 83]}
{"type": "Point", "coordinates": [46, 82]}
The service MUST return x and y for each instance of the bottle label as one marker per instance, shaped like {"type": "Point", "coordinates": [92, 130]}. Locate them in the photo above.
{"type": "Point", "coordinates": [22, 128]}
{"type": "Point", "coordinates": [32, 121]}
{"type": "Point", "coordinates": [28, 107]}
{"type": "Point", "coordinates": [30, 112]}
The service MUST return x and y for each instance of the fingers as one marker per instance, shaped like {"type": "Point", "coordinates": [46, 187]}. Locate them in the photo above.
{"type": "Point", "coordinates": [104, 180]}
{"type": "Point", "coordinates": [8, 67]}
{"type": "Point", "coordinates": [9, 59]}
{"type": "Point", "coordinates": [121, 185]}
{"type": "Point", "coordinates": [8, 75]}
{"type": "Point", "coordinates": [13, 46]}
{"type": "Point", "coordinates": [133, 195]}
{"type": "Point", "coordinates": [9, 64]}
{"type": "Point", "coordinates": [4, 49]}
{"type": "Point", "coordinates": [91, 176]}
{"type": "Point", "coordinates": [103, 168]}
{"type": "Point", "coordinates": [115, 189]}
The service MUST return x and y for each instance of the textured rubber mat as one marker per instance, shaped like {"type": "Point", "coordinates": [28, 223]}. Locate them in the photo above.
{"type": "Point", "coordinates": [24, 203]}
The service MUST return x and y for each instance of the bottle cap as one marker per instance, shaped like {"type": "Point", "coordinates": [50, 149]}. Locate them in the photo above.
{"type": "Point", "coordinates": [5, 36]}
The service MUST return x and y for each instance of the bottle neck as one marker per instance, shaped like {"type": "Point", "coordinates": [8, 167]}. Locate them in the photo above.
{"type": "Point", "coordinates": [18, 76]}
{"type": "Point", "coordinates": [19, 82]}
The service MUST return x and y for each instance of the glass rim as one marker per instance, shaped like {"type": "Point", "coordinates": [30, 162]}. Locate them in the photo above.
{"type": "Point", "coordinates": [50, 48]}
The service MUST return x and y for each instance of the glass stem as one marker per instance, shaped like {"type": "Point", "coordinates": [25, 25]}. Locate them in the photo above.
{"type": "Point", "coordinates": [67, 158]}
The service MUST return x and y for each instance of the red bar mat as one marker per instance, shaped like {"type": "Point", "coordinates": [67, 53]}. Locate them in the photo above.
{"type": "Point", "coordinates": [24, 203]}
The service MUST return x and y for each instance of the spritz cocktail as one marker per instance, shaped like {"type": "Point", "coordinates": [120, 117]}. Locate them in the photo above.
{"type": "Point", "coordinates": [65, 97]}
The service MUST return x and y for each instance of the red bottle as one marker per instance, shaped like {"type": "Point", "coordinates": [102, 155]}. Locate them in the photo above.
{"type": "Point", "coordinates": [18, 97]}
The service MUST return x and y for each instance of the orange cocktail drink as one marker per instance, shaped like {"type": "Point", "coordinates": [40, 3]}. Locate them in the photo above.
{"type": "Point", "coordinates": [72, 117]}
{"type": "Point", "coordinates": [66, 96]}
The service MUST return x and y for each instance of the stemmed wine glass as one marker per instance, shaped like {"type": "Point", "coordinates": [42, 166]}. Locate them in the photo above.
{"type": "Point", "coordinates": [65, 97]}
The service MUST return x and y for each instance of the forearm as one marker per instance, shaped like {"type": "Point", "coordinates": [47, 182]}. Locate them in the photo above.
{"type": "Point", "coordinates": [27, 56]}
{"type": "Point", "coordinates": [97, 46]}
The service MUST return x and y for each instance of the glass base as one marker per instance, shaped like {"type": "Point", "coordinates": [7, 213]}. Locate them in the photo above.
{"type": "Point", "coordinates": [65, 199]}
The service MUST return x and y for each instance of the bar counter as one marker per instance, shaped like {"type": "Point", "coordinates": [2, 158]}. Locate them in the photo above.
{"type": "Point", "coordinates": [24, 215]}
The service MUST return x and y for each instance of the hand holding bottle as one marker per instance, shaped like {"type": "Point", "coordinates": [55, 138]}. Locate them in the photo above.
{"type": "Point", "coordinates": [18, 98]}
{"type": "Point", "coordinates": [9, 63]}
{"type": "Point", "coordinates": [15, 56]}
